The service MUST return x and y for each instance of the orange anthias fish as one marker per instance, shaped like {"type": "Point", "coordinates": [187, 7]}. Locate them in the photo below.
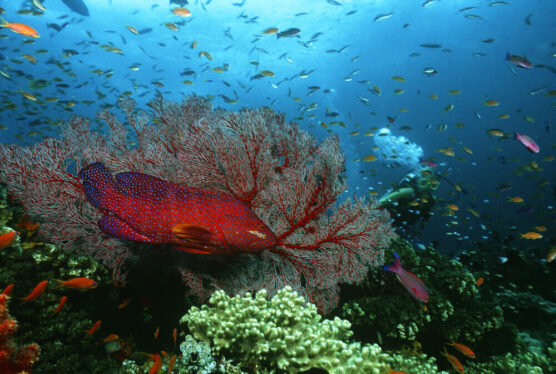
{"type": "Point", "coordinates": [157, 365]}
{"type": "Point", "coordinates": [37, 291]}
{"type": "Point", "coordinates": [95, 327]}
{"type": "Point", "coordinates": [515, 199]}
{"type": "Point", "coordinates": [463, 349]}
{"type": "Point", "coordinates": [81, 283]}
{"type": "Point", "coordinates": [63, 300]}
{"type": "Point", "coordinates": [9, 289]}
{"type": "Point", "coordinates": [531, 235]}
{"type": "Point", "coordinates": [454, 361]}
{"type": "Point", "coordinates": [20, 28]}
{"type": "Point", "coordinates": [26, 223]}
{"type": "Point", "coordinates": [410, 281]}
{"type": "Point", "coordinates": [7, 239]}
{"type": "Point", "coordinates": [111, 338]}
{"type": "Point", "coordinates": [124, 303]}
{"type": "Point", "coordinates": [171, 364]}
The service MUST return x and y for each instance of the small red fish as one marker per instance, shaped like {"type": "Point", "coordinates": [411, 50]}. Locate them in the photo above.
{"type": "Point", "coordinates": [37, 291]}
{"type": "Point", "coordinates": [157, 365]}
{"type": "Point", "coordinates": [520, 62]}
{"type": "Point", "coordinates": [527, 142]}
{"type": "Point", "coordinates": [124, 303]}
{"type": "Point", "coordinates": [156, 332]}
{"type": "Point", "coordinates": [63, 300]}
{"type": "Point", "coordinates": [95, 327]}
{"type": "Point", "coordinates": [174, 335]}
{"type": "Point", "coordinates": [26, 223]}
{"type": "Point", "coordinates": [463, 349]}
{"type": "Point", "coordinates": [410, 281]}
{"type": "Point", "coordinates": [111, 338]}
{"type": "Point", "coordinates": [7, 239]}
{"type": "Point", "coordinates": [8, 290]}
{"type": "Point", "coordinates": [480, 281]}
{"type": "Point", "coordinates": [171, 364]}
{"type": "Point", "coordinates": [81, 283]}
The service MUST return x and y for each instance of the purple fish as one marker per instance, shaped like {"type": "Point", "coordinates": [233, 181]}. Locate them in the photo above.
{"type": "Point", "coordinates": [410, 281]}
{"type": "Point", "coordinates": [527, 142]}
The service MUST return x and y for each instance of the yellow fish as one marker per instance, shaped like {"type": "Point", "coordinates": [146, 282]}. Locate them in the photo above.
{"type": "Point", "coordinates": [491, 102]}
{"type": "Point", "coordinates": [369, 158]}
{"type": "Point", "coordinates": [27, 95]}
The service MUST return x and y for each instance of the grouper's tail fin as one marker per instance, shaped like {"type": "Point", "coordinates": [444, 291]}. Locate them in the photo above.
{"type": "Point", "coordinates": [99, 185]}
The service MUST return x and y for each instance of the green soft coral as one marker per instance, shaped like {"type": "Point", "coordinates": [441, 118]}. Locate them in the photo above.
{"type": "Point", "coordinates": [285, 334]}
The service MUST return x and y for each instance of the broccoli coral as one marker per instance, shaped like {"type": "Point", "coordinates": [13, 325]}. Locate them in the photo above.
{"type": "Point", "coordinates": [285, 334]}
{"type": "Point", "coordinates": [13, 359]}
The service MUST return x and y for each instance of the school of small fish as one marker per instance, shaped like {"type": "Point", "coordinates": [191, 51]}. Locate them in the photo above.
{"type": "Point", "coordinates": [329, 78]}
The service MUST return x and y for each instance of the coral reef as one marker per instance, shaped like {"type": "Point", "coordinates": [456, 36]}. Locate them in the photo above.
{"type": "Point", "coordinates": [414, 363]}
{"type": "Point", "coordinates": [456, 310]}
{"type": "Point", "coordinates": [60, 337]}
{"type": "Point", "coordinates": [64, 348]}
{"type": "Point", "coordinates": [196, 357]}
{"type": "Point", "coordinates": [530, 357]}
{"type": "Point", "coordinates": [288, 179]}
{"type": "Point", "coordinates": [13, 359]}
{"type": "Point", "coordinates": [283, 334]}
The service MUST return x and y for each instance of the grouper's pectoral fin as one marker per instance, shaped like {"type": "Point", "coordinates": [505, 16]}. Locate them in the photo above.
{"type": "Point", "coordinates": [117, 228]}
{"type": "Point", "coordinates": [196, 234]}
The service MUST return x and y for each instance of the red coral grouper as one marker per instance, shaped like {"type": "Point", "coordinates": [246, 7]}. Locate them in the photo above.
{"type": "Point", "coordinates": [144, 208]}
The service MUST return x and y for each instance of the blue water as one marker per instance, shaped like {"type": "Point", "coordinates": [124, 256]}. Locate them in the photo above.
{"type": "Point", "coordinates": [232, 33]}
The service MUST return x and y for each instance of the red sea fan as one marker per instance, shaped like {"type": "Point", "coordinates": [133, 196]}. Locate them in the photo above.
{"type": "Point", "coordinates": [13, 359]}
{"type": "Point", "coordinates": [288, 179]}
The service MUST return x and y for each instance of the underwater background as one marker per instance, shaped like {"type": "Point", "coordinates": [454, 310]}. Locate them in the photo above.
{"type": "Point", "coordinates": [444, 110]}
